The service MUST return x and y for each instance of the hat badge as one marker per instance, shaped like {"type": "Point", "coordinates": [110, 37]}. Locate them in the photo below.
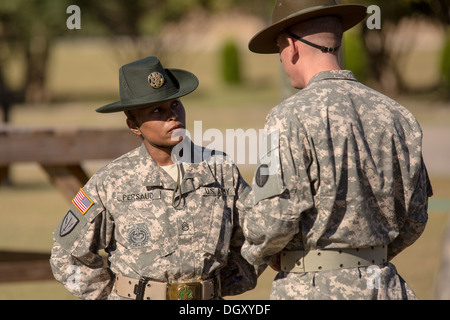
{"type": "Point", "coordinates": [156, 80]}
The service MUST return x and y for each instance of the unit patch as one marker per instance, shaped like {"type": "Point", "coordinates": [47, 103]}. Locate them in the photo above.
{"type": "Point", "coordinates": [68, 224]}
{"type": "Point", "coordinates": [138, 236]}
{"type": "Point", "coordinates": [262, 175]}
{"type": "Point", "coordinates": [82, 202]}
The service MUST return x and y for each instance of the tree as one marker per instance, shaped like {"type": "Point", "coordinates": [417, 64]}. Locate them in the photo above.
{"type": "Point", "coordinates": [29, 27]}
{"type": "Point", "coordinates": [381, 59]}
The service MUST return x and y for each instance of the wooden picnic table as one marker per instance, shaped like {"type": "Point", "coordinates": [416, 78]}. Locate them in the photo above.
{"type": "Point", "coordinates": [60, 152]}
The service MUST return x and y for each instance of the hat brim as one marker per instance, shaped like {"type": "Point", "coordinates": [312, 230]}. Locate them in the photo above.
{"type": "Point", "coordinates": [187, 81]}
{"type": "Point", "coordinates": [265, 40]}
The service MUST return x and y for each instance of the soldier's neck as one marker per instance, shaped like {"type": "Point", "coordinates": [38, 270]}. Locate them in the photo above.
{"type": "Point", "coordinates": [162, 156]}
{"type": "Point", "coordinates": [323, 63]}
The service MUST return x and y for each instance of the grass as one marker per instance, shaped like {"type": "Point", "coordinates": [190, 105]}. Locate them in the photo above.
{"type": "Point", "coordinates": [31, 208]}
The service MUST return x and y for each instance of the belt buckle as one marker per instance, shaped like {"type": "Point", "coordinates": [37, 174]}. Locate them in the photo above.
{"type": "Point", "coordinates": [185, 291]}
{"type": "Point", "coordinates": [139, 289]}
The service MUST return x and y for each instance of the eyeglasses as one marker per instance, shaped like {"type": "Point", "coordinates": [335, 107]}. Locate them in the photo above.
{"type": "Point", "coordinates": [321, 48]}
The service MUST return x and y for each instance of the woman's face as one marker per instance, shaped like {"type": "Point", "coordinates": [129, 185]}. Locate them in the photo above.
{"type": "Point", "coordinates": [160, 123]}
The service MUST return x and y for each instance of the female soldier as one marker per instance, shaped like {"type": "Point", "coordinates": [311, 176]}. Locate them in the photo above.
{"type": "Point", "coordinates": [170, 226]}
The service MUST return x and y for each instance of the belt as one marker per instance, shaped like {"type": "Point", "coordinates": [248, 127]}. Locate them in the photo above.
{"type": "Point", "coordinates": [144, 289]}
{"type": "Point", "coordinates": [331, 259]}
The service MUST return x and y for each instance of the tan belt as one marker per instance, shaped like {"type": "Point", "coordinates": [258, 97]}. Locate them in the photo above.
{"type": "Point", "coordinates": [331, 259]}
{"type": "Point", "coordinates": [156, 290]}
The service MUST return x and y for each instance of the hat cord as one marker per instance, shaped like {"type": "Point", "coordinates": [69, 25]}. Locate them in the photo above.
{"type": "Point", "coordinates": [177, 194]}
{"type": "Point", "coordinates": [321, 48]}
{"type": "Point", "coordinates": [153, 144]}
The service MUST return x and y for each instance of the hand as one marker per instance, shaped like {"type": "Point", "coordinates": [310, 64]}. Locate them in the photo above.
{"type": "Point", "coordinates": [275, 263]}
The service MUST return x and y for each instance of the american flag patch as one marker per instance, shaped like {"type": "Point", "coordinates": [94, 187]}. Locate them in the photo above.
{"type": "Point", "coordinates": [82, 202]}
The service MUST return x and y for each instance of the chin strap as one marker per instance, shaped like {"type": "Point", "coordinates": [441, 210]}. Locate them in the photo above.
{"type": "Point", "coordinates": [177, 194]}
{"type": "Point", "coordinates": [321, 48]}
{"type": "Point", "coordinates": [151, 143]}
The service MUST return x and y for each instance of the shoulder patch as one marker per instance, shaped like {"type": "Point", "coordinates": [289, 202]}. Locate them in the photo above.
{"type": "Point", "coordinates": [262, 175]}
{"type": "Point", "coordinates": [82, 202]}
{"type": "Point", "coordinates": [68, 223]}
{"type": "Point", "coordinates": [268, 180]}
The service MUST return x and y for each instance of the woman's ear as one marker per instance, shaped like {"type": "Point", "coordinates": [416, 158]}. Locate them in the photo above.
{"type": "Point", "coordinates": [133, 127]}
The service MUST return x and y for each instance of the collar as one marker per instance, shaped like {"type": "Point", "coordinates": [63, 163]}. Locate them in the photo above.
{"type": "Point", "coordinates": [194, 176]}
{"type": "Point", "coordinates": [332, 75]}
{"type": "Point", "coordinates": [149, 169]}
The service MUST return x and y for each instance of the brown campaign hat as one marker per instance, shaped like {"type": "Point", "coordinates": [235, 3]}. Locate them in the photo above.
{"type": "Point", "coordinates": [287, 13]}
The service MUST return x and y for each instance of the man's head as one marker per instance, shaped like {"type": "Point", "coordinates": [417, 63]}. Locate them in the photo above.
{"type": "Point", "coordinates": [309, 47]}
{"type": "Point", "coordinates": [288, 13]}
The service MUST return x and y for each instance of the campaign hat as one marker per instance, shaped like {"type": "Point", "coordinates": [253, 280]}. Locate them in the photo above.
{"type": "Point", "coordinates": [288, 13]}
{"type": "Point", "coordinates": [146, 82]}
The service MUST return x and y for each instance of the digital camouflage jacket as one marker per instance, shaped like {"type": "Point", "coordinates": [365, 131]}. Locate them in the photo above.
{"type": "Point", "coordinates": [345, 170]}
{"type": "Point", "coordinates": [126, 210]}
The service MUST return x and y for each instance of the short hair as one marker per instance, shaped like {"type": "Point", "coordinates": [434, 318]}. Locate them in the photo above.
{"type": "Point", "coordinates": [326, 31]}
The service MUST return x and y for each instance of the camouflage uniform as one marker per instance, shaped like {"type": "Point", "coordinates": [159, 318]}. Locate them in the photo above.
{"type": "Point", "coordinates": [349, 174]}
{"type": "Point", "coordinates": [126, 209]}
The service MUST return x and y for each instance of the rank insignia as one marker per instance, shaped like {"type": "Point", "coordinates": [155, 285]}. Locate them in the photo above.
{"type": "Point", "coordinates": [156, 80]}
{"type": "Point", "coordinates": [82, 202]}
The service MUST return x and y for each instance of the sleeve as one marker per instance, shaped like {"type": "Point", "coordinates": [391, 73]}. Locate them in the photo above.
{"type": "Point", "coordinates": [75, 259]}
{"type": "Point", "coordinates": [417, 215]}
{"type": "Point", "coordinates": [281, 192]}
{"type": "Point", "coordinates": [238, 276]}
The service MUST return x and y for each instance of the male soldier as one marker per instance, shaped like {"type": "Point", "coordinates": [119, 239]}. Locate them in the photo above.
{"type": "Point", "coordinates": [169, 225]}
{"type": "Point", "coordinates": [343, 188]}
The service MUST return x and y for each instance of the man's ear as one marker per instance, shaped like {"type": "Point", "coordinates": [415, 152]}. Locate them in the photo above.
{"type": "Point", "coordinates": [294, 54]}
{"type": "Point", "coordinates": [133, 127]}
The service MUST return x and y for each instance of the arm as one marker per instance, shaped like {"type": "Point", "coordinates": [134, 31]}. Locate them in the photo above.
{"type": "Point", "coordinates": [417, 216]}
{"type": "Point", "coordinates": [238, 276]}
{"type": "Point", "coordinates": [281, 192]}
{"type": "Point", "coordinates": [75, 258]}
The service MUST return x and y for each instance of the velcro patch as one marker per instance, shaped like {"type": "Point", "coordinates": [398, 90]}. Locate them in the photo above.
{"type": "Point", "coordinates": [82, 202]}
{"type": "Point", "coordinates": [68, 224]}
{"type": "Point", "coordinates": [268, 180]}
{"type": "Point", "coordinates": [217, 192]}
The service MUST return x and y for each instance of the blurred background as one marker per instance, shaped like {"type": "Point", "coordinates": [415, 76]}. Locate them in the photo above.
{"type": "Point", "coordinates": [55, 77]}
